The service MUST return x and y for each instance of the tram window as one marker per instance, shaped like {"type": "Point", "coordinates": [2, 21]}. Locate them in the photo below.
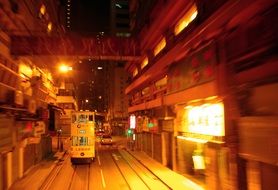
{"type": "Point", "coordinates": [82, 118]}
{"type": "Point", "coordinates": [91, 118]}
{"type": "Point", "coordinates": [80, 141]}
{"type": "Point", "coordinates": [83, 141]}
{"type": "Point", "coordinates": [74, 141]}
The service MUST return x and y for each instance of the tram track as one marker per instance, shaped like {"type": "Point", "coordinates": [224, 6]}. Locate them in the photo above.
{"type": "Point", "coordinates": [135, 166]}
{"type": "Point", "coordinates": [72, 177]}
{"type": "Point", "coordinates": [54, 172]}
{"type": "Point", "coordinates": [131, 170]}
{"type": "Point", "coordinates": [141, 164]}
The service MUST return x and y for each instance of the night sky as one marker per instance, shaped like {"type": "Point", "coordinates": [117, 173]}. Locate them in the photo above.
{"type": "Point", "coordinates": [90, 16]}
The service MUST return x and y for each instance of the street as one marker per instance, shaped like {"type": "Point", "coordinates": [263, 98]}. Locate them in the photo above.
{"type": "Point", "coordinates": [114, 167]}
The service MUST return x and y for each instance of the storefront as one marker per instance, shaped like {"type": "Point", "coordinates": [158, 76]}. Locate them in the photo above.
{"type": "Point", "coordinates": [200, 142]}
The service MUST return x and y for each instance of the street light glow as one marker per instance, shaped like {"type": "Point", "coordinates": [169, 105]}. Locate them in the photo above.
{"type": "Point", "coordinates": [64, 68]}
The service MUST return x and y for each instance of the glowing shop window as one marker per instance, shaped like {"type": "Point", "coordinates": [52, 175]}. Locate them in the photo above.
{"type": "Point", "coordinates": [207, 119]}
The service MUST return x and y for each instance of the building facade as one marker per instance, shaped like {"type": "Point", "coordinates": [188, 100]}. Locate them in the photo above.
{"type": "Point", "coordinates": [203, 92]}
{"type": "Point", "coordinates": [26, 90]}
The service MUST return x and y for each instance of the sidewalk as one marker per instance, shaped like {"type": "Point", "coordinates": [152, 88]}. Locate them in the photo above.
{"type": "Point", "coordinates": [171, 178]}
{"type": "Point", "coordinates": [34, 177]}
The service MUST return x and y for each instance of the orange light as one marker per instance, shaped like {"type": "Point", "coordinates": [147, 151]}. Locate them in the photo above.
{"type": "Point", "coordinates": [64, 68]}
{"type": "Point", "coordinates": [145, 62]}
{"type": "Point", "coordinates": [49, 27]}
{"type": "Point", "coordinates": [207, 119]}
{"type": "Point", "coordinates": [190, 15]}
{"type": "Point", "coordinates": [159, 47]}
{"type": "Point", "coordinates": [25, 71]}
{"type": "Point", "coordinates": [135, 72]}
{"type": "Point", "coordinates": [43, 9]}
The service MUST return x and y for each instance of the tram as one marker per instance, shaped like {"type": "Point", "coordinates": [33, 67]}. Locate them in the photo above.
{"type": "Point", "coordinates": [82, 137]}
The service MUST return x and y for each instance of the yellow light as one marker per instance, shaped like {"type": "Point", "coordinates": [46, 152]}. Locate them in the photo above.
{"type": "Point", "coordinates": [193, 139]}
{"type": "Point", "coordinates": [199, 162]}
{"type": "Point", "coordinates": [190, 15]}
{"type": "Point", "coordinates": [43, 9]}
{"type": "Point", "coordinates": [65, 68]}
{"type": "Point", "coordinates": [25, 71]}
{"type": "Point", "coordinates": [207, 119]}
{"type": "Point", "coordinates": [160, 46]}
{"type": "Point", "coordinates": [145, 62]}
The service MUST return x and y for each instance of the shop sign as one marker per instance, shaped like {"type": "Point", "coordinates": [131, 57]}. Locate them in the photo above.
{"type": "Point", "coordinates": [193, 70]}
{"type": "Point", "coordinates": [206, 119]}
{"type": "Point", "coordinates": [39, 128]}
{"type": "Point", "coordinates": [132, 122]}
{"type": "Point", "coordinates": [153, 125]}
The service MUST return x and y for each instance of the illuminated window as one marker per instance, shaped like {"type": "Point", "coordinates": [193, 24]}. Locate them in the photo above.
{"type": "Point", "coordinates": [160, 46]}
{"type": "Point", "coordinates": [144, 63]}
{"type": "Point", "coordinates": [190, 15]}
{"type": "Point", "coordinates": [49, 27]}
{"type": "Point", "coordinates": [160, 83]}
{"type": "Point", "coordinates": [135, 72]}
{"type": "Point", "coordinates": [25, 71]}
{"type": "Point", "coordinates": [43, 10]}
{"type": "Point", "coordinates": [207, 119]}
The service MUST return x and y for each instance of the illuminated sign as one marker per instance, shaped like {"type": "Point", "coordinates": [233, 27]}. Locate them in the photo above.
{"type": "Point", "coordinates": [132, 121]}
{"type": "Point", "coordinates": [207, 119]}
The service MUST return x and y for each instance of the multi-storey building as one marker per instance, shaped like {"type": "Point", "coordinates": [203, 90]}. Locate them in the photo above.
{"type": "Point", "coordinates": [118, 100]}
{"type": "Point", "coordinates": [27, 89]}
{"type": "Point", "coordinates": [120, 21]}
{"type": "Point", "coordinates": [203, 93]}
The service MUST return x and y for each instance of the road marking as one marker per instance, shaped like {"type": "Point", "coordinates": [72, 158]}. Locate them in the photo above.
{"type": "Point", "coordinates": [102, 179]}
{"type": "Point", "coordinates": [98, 159]}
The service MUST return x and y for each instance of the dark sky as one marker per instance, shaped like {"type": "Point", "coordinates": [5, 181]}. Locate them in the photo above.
{"type": "Point", "coordinates": [90, 16]}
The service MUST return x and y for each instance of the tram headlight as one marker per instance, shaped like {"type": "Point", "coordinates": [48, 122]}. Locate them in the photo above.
{"type": "Point", "coordinates": [82, 154]}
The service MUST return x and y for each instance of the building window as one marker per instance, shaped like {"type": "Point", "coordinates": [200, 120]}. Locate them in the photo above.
{"type": "Point", "coordinates": [159, 46]}
{"type": "Point", "coordinates": [144, 62]}
{"type": "Point", "coordinates": [189, 16]}
{"type": "Point", "coordinates": [135, 72]}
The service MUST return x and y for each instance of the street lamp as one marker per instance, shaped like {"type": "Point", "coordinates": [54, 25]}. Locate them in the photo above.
{"type": "Point", "coordinates": [64, 68]}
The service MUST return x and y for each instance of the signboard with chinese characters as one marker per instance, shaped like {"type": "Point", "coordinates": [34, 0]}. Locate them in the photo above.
{"type": "Point", "coordinates": [39, 128]}
{"type": "Point", "coordinates": [206, 119]}
{"type": "Point", "coordinates": [195, 69]}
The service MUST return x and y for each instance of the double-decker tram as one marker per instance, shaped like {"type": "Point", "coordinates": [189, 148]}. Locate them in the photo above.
{"type": "Point", "coordinates": [82, 137]}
